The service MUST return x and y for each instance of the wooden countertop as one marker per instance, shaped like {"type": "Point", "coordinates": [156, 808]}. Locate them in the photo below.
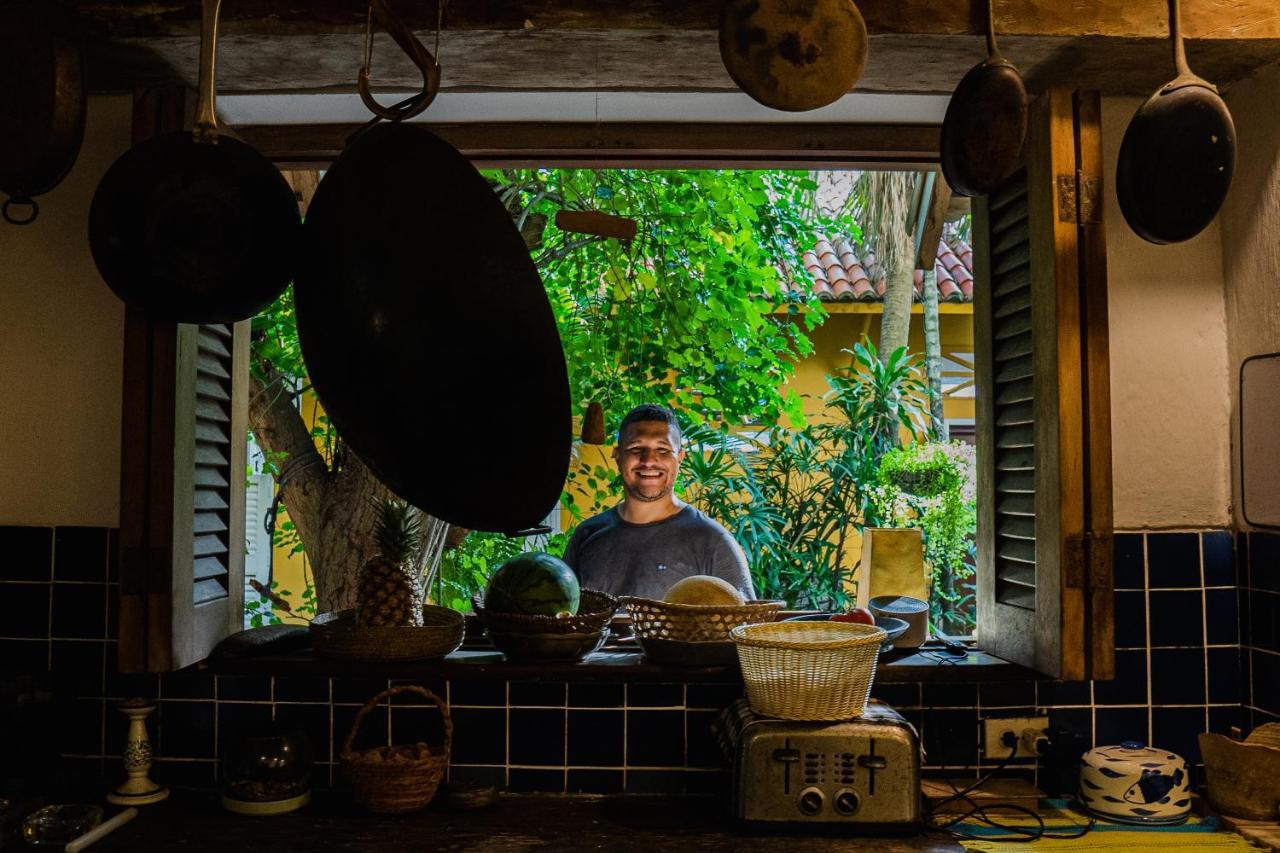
{"type": "Point", "coordinates": [561, 824]}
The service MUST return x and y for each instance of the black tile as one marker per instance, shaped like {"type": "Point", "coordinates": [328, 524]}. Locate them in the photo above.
{"type": "Point", "coordinates": [1219, 558]}
{"type": "Point", "coordinates": [1177, 618]}
{"type": "Point", "coordinates": [1177, 677]}
{"type": "Point", "coordinates": [186, 684]}
{"type": "Point", "coordinates": [595, 782]}
{"type": "Point", "coordinates": [1222, 618]}
{"type": "Point", "coordinates": [1131, 619]}
{"type": "Point", "coordinates": [1116, 725]}
{"type": "Point", "coordinates": [1178, 730]}
{"type": "Point", "coordinates": [1050, 693]}
{"type": "Point", "coordinates": [465, 775]}
{"type": "Point", "coordinates": [113, 611]}
{"type": "Point", "coordinates": [80, 610]}
{"type": "Point", "coordinates": [1173, 560]}
{"type": "Point", "coordinates": [951, 737]}
{"type": "Point", "coordinates": [128, 685]}
{"type": "Point", "coordinates": [356, 690]}
{"type": "Point", "coordinates": [1224, 676]}
{"type": "Point", "coordinates": [1263, 629]}
{"type": "Point", "coordinates": [943, 695]}
{"type": "Point", "coordinates": [701, 747]}
{"type": "Point", "coordinates": [372, 731]}
{"type": "Point", "coordinates": [523, 780]}
{"type": "Point", "coordinates": [194, 775]}
{"type": "Point", "coordinates": [1128, 561]}
{"type": "Point", "coordinates": [479, 735]}
{"type": "Point", "coordinates": [596, 738]}
{"type": "Point", "coordinates": [113, 554]}
{"type": "Point", "coordinates": [236, 720]}
{"type": "Point", "coordinates": [590, 694]}
{"type": "Point", "coordinates": [1007, 694]}
{"type": "Point", "coordinates": [1077, 723]}
{"type": "Point", "coordinates": [1242, 557]}
{"type": "Point", "coordinates": [438, 686]}
{"type": "Point", "coordinates": [25, 657]}
{"type": "Point", "coordinates": [1129, 687]}
{"type": "Point", "coordinates": [1264, 561]}
{"type": "Point", "coordinates": [417, 725]}
{"type": "Point", "coordinates": [715, 696]}
{"type": "Point", "coordinates": [897, 695]}
{"type": "Point", "coordinates": [302, 688]}
{"type": "Point", "coordinates": [536, 736]}
{"type": "Point", "coordinates": [1265, 678]}
{"type": "Point", "coordinates": [711, 783]}
{"type": "Point", "coordinates": [655, 739]}
{"type": "Point", "coordinates": [469, 692]}
{"type": "Point", "coordinates": [244, 688]}
{"type": "Point", "coordinates": [24, 610]}
{"type": "Point", "coordinates": [80, 554]}
{"type": "Point", "coordinates": [1223, 720]}
{"type": "Point", "coordinates": [79, 666]}
{"type": "Point", "coordinates": [655, 695]}
{"type": "Point", "coordinates": [655, 781]}
{"type": "Point", "coordinates": [186, 730]}
{"type": "Point", "coordinates": [81, 727]}
{"type": "Point", "coordinates": [536, 693]}
{"type": "Point", "coordinates": [26, 553]}
{"type": "Point", "coordinates": [313, 722]}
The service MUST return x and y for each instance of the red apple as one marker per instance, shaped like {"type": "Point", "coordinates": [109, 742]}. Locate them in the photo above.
{"type": "Point", "coordinates": [857, 614]}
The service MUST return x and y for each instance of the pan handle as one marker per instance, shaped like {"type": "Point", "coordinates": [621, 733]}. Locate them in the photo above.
{"type": "Point", "coordinates": [416, 50]}
{"type": "Point", "coordinates": [205, 129]}
{"type": "Point", "coordinates": [1186, 77]}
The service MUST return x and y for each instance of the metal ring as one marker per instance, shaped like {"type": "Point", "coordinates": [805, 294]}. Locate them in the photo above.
{"type": "Point", "coordinates": [11, 219]}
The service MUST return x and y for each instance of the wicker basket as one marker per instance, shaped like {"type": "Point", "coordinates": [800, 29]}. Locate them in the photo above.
{"type": "Point", "coordinates": [336, 635]}
{"type": "Point", "coordinates": [396, 778]}
{"type": "Point", "coordinates": [695, 623]}
{"type": "Point", "coordinates": [808, 670]}
{"type": "Point", "coordinates": [595, 609]}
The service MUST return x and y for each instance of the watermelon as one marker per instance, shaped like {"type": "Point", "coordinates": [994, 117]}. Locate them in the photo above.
{"type": "Point", "coordinates": [533, 583]}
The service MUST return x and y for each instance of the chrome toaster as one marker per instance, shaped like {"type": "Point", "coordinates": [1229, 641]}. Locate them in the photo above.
{"type": "Point", "coordinates": [863, 772]}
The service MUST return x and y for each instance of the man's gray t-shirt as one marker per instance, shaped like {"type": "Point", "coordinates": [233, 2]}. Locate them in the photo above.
{"type": "Point", "coordinates": [622, 558]}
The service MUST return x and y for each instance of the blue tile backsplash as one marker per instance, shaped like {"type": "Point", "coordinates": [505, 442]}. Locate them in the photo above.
{"type": "Point", "coordinates": [1194, 652]}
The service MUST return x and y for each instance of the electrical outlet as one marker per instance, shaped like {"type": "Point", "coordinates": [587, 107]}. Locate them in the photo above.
{"type": "Point", "coordinates": [1025, 729]}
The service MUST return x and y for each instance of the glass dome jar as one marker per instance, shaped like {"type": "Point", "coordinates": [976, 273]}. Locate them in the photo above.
{"type": "Point", "coordinates": [267, 771]}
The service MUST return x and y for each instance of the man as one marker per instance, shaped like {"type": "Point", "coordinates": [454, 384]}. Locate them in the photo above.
{"type": "Point", "coordinates": [652, 539]}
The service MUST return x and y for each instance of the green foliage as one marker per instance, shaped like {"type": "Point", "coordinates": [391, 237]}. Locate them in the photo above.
{"type": "Point", "coordinates": [265, 609]}
{"type": "Point", "coordinates": [465, 570]}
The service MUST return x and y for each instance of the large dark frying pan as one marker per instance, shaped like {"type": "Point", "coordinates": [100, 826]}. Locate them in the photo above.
{"type": "Point", "coordinates": [793, 54]}
{"type": "Point", "coordinates": [42, 102]}
{"type": "Point", "coordinates": [1178, 154]}
{"type": "Point", "coordinates": [985, 124]}
{"type": "Point", "coordinates": [195, 227]}
{"type": "Point", "coordinates": [427, 333]}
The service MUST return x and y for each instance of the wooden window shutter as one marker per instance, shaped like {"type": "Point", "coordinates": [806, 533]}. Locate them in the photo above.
{"type": "Point", "coordinates": [1043, 401]}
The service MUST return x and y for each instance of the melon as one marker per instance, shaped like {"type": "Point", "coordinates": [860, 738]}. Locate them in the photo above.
{"type": "Point", "coordinates": [703, 589]}
{"type": "Point", "coordinates": [535, 584]}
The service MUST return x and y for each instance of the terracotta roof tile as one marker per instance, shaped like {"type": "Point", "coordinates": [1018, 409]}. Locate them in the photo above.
{"type": "Point", "coordinates": [840, 273]}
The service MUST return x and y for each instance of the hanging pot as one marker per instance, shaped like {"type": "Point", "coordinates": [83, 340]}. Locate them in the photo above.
{"type": "Point", "coordinates": [793, 56]}
{"type": "Point", "coordinates": [1178, 154]}
{"type": "Point", "coordinates": [195, 227]}
{"type": "Point", "coordinates": [427, 332]}
{"type": "Point", "coordinates": [985, 124]}
{"type": "Point", "coordinates": [42, 103]}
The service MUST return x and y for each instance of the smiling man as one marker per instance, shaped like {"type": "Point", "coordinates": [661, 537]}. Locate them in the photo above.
{"type": "Point", "coordinates": [652, 539]}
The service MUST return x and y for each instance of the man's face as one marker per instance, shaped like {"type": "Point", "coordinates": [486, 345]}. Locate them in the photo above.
{"type": "Point", "coordinates": [648, 459]}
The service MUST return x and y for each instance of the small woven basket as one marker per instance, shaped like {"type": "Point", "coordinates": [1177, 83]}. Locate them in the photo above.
{"type": "Point", "coordinates": [808, 670]}
{"type": "Point", "coordinates": [336, 635]}
{"type": "Point", "coordinates": [396, 778]}
{"type": "Point", "coordinates": [595, 609]}
{"type": "Point", "coordinates": [695, 623]}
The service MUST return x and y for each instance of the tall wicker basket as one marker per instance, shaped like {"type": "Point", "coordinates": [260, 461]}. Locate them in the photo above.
{"type": "Point", "coordinates": [396, 778]}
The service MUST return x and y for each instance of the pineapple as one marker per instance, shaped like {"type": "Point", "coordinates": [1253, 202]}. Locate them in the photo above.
{"type": "Point", "coordinates": [389, 592]}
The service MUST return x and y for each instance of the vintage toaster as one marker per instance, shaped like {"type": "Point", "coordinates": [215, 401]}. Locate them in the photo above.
{"type": "Point", "coordinates": [863, 772]}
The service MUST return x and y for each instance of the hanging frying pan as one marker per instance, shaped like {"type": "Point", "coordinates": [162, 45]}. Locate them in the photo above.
{"type": "Point", "coordinates": [985, 123]}
{"type": "Point", "coordinates": [793, 54]}
{"type": "Point", "coordinates": [42, 103]}
{"type": "Point", "coordinates": [427, 333]}
{"type": "Point", "coordinates": [195, 227]}
{"type": "Point", "coordinates": [1178, 154]}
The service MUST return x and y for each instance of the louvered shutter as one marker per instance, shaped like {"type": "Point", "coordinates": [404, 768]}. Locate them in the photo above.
{"type": "Point", "coordinates": [212, 464]}
{"type": "Point", "coordinates": [1043, 444]}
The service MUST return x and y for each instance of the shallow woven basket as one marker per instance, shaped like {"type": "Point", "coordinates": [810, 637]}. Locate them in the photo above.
{"type": "Point", "coordinates": [336, 635]}
{"type": "Point", "coordinates": [396, 778]}
{"type": "Point", "coordinates": [595, 609]}
{"type": "Point", "coordinates": [695, 623]}
{"type": "Point", "coordinates": [808, 670]}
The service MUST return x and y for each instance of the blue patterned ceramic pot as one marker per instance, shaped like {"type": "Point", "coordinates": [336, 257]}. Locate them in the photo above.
{"type": "Point", "coordinates": [1132, 783]}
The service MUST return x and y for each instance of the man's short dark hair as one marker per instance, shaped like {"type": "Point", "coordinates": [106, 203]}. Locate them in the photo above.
{"type": "Point", "coordinates": [650, 412]}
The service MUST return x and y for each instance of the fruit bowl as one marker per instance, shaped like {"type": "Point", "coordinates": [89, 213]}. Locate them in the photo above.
{"type": "Point", "coordinates": [595, 609]}
{"type": "Point", "coordinates": [543, 648]}
{"type": "Point", "coordinates": [336, 635]}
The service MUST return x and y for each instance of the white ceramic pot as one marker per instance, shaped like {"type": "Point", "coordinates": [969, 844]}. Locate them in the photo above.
{"type": "Point", "coordinates": [1133, 783]}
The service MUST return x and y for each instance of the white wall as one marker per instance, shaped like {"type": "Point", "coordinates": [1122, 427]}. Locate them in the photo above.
{"type": "Point", "coordinates": [61, 332]}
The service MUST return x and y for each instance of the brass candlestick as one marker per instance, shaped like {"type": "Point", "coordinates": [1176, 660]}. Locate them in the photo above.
{"type": "Point", "coordinates": [137, 789]}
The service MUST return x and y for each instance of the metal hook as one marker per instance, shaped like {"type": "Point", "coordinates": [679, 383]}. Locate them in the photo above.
{"type": "Point", "coordinates": [6, 210]}
{"type": "Point", "coordinates": [416, 51]}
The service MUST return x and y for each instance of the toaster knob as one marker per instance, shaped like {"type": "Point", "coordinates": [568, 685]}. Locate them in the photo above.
{"type": "Point", "coordinates": [846, 802]}
{"type": "Point", "coordinates": [810, 802]}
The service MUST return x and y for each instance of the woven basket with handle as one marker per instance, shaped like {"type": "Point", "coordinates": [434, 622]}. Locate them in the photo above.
{"type": "Point", "coordinates": [695, 623]}
{"type": "Point", "coordinates": [396, 778]}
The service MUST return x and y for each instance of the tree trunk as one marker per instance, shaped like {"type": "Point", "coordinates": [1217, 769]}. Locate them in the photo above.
{"type": "Point", "coordinates": [887, 206]}
{"type": "Point", "coordinates": [933, 356]}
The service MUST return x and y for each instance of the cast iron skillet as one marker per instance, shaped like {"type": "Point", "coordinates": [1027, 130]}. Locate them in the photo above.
{"type": "Point", "coordinates": [792, 55]}
{"type": "Point", "coordinates": [427, 332]}
{"type": "Point", "coordinates": [985, 124]}
{"type": "Point", "coordinates": [1178, 154]}
{"type": "Point", "coordinates": [42, 102]}
{"type": "Point", "coordinates": [195, 227]}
